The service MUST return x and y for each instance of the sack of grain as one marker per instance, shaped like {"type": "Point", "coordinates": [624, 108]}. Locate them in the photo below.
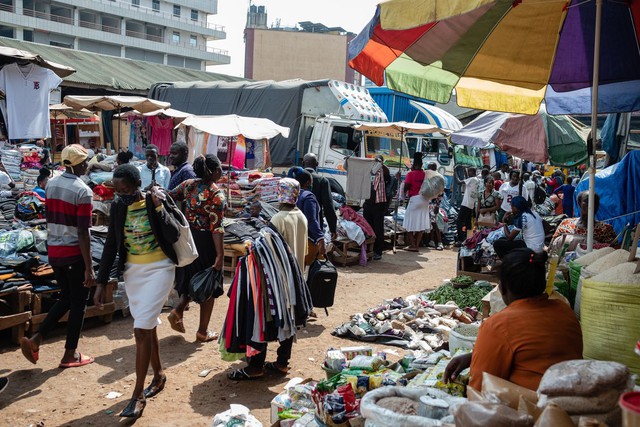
{"type": "Point", "coordinates": [480, 414]}
{"type": "Point", "coordinates": [582, 378]}
{"type": "Point", "coordinates": [594, 255]}
{"type": "Point", "coordinates": [613, 418]}
{"type": "Point", "coordinates": [610, 322]}
{"type": "Point", "coordinates": [554, 416]}
{"type": "Point", "coordinates": [620, 274]}
{"type": "Point", "coordinates": [608, 261]}
{"type": "Point", "coordinates": [601, 403]}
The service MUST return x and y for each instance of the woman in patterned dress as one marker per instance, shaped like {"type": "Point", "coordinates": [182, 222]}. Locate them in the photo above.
{"type": "Point", "coordinates": [203, 204]}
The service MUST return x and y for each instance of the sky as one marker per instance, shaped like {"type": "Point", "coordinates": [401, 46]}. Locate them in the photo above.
{"type": "Point", "coordinates": [352, 15]}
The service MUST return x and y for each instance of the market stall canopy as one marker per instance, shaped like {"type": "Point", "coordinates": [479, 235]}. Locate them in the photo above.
{"type": "Point", "coordinates": [234, 125]}
{"type": "Point", "coordinates": [559, 140]}
{"type": "Point", "coordinates": [65, 112]}
{"type": "Point", "coordinates": [169, 112]}
{"type": "Point", "coordinates": [401, 128]}
{"type": "Point", "coordinates": [504, 55]}
{"type": "Point", "coordinates": [437, 116]}
{"type": "Point", "coordinates": [115, 102]}
{"type": "Point", "coordinates": [9, 55]}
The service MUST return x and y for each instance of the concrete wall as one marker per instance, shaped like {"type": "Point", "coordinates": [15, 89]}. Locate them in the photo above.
{"type": "Point", "coordinates": [281, 55]}
{"type": "Point", "coordinates": [97, 47]}
{"type": "Point", "coordinates": [144, 55]}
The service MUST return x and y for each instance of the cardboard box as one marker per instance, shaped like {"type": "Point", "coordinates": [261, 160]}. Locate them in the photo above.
{"type": "Point", "coordinates": [351, 352]}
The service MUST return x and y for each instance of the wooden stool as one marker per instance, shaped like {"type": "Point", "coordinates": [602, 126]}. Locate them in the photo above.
{"type": "Point", "coordinates": [230, 261]}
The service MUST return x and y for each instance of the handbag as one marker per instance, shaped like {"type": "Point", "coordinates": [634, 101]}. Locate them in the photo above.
{"type": "Point", "coordinates": [487, 219]}
{"type": "Point", "coordinates": [185, 246]}
{"type": "Point", "coordinates": [206, 284]}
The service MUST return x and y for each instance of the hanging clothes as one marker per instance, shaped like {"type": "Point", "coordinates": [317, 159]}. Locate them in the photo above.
{"type": "Point", "coordinates": [27, 90]}
{"type": "Point", "coordinates": [268, 297]}
{"type": "Point", "coordinates": [239, 153]}
{"type": "Point", "coordinates": [138, 135]}
{"type": "Point", "coordinates": [161, 133]}
{"type": "Point", "coordinates": [359, 178]}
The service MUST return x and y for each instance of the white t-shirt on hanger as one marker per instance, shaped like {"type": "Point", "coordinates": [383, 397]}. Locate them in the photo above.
{"type": "Point", "coordinates": [27, 90]}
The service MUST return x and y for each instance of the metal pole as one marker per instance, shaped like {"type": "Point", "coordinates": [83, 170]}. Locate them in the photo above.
{"type": "Point", "coordinates": [395, 220]}
{"type": "Point", "coordinates": [594, 127]}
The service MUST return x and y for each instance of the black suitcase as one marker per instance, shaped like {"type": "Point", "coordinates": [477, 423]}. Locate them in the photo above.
{"type": "Point", "coordinates": [322, 281]}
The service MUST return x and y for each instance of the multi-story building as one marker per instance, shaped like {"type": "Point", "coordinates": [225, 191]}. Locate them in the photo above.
{"type": "Point", "coordinates": [309, 51]}
{"type": "Point", "coordinates": [165, 32]}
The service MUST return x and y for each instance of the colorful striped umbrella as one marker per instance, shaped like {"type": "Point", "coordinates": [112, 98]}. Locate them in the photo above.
{"type": "Point", "coordinates": [509, 55]}
{"type": "Point", "coordinates": [504, 55]}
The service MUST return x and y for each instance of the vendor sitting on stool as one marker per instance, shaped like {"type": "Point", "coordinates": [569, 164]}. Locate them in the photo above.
{"type": "Point", "coordinates": [527, 226]}
{"type": "Point", "coordinates": [533, 333]}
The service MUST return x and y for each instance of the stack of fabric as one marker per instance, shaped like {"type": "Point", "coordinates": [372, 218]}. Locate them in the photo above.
{"type": "Point", "coordinates": [267, 188]}
{"type": "Point", "coordinates": [11, 160]}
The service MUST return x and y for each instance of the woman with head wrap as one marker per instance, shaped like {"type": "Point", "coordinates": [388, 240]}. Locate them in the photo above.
{"type": "Point", "coordinates": [527, 228]}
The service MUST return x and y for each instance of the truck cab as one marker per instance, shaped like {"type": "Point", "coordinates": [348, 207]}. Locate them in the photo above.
{"type": "Point", "coordinates": [334, 139]}
{"type": "Point", "coordinates": [434, 149]}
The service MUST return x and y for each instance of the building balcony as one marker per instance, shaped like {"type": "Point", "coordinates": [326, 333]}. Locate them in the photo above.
{"type": "Point", "coordinates": [127, 10]}
{"type": "Point", "coordinates": [7, 8]}
{"type": "Point", "coordinates": [48, 16]}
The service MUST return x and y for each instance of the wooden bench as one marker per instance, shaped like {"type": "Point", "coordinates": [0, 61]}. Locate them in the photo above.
{"type": "Point", "coordinates": [19, 302]}
{"type": "Point", "coordinates": [347, 252]}
{"type": "Point", "coordinates": [106, 314]}
{"type": "Point", "coordinates": [230, 261]}
{"type": "Point", "coordinates": [483, 274]}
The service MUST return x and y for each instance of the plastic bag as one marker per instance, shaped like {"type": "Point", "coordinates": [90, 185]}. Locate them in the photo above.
{"type": "Point", "coordinates": [236, 416]}
{"type": "Point", "coordinates": [432, 186]}
{"type": "Point", "coordinates": [498, 390]}
{"type": "Point", "coordinates": [481, 414]}
{"type": "Point", "coordinates": [381, 417]}
{"type": "Point", "coordinates": [206, 284]}
{"type": "Point", "coordinates": [14, 241]}
{"type": "Point", "coordinates": [554, 416]}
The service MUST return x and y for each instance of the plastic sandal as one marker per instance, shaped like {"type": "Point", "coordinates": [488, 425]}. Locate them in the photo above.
{"type": "Point", "coordinates": [274, 368]}
{"type": "Point", "coordinates": [176, 322]}
{"type": "Point", "coordinates": [210, 336]}
{"type": "Point", "coordinates": [80, 360]}
{"type": "Point", "coordinates": [27, 350]}
{"type": "Point", "coordinates": [155, 387]}
{"type": "Point", "coordinates": [241, 375]}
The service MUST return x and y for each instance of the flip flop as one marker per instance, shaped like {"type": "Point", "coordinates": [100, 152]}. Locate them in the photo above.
{"type": "Point", "coordinates": [176, 322]}
{"type": "Point", "coordinates": [241, 375]}
{"type": "Point", "coordinates": [211, 336]}
{"type": "Point", "coordinates": [27, 351]}
{"type": "Point", "coordinates": [80, 360]}
{"type": "Point", "coordinates": [275, 369]}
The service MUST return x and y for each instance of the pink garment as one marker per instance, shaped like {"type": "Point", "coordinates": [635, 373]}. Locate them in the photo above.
{"type": "Point", "coordinates": [350, 215]}
{"type": "Point", "coordinates": [413, 182]}
{"type": "Point", "coordinates": [161, 133]}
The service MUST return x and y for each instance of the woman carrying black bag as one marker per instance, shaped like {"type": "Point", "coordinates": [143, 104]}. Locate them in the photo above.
{"type": "Point", "coordinates": [142, 232]}
{"type": "Point", "coordinates": [203, 204]}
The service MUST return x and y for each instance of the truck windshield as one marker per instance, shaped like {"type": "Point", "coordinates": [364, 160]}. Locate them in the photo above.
{"type": "Point", "coordinates": [392, 149]}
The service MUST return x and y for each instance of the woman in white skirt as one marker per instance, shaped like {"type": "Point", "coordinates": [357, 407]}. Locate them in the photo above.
{"type": "Point", "coordinates": [141, 232]}
{"type": "Point", "coordinates": [417, 218]}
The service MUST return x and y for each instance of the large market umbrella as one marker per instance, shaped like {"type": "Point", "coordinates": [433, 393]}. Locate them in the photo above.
{"type": "Point", "coordinates": [234, 125]}
{"type": "Point", "coordinates": [400, 129]}
{"type": "Point", "coordinates": [115, 102]}
{"type": "Point", "coordinates": [64, 112]}
{"type": "Point", "coordinates": [506, 55]}
{"type": "Point", "coordinates": [10, 55]}
{"type": "Point", "coordinates": [541, 138]}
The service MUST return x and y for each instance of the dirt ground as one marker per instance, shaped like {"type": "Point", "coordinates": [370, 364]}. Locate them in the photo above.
{"type": "Point", "coordinates": [44, 395]}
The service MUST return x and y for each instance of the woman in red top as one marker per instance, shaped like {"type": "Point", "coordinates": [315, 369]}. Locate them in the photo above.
{"type": "Point", "coordinates": [416, 218]}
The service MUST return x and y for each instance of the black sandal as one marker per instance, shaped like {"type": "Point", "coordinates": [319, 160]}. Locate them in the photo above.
{"type": "Point", "coordinates": [134, 409]}
{"type": "Point", "coordinates": [241, 375]}
{"type": "Point", "coordinates": [155, 387]}
{"type": "Point", "coordinates": [275, 369]}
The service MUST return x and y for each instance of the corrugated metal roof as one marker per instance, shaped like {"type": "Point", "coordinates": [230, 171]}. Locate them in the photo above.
{"type": "Point", "coordinates": [113, 72]}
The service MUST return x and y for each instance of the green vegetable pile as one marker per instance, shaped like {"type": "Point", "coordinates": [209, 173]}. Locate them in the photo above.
{"type": "Point", "coordinates": [467, 297]}
{"type": "Point", "coordinates": [462, 280]}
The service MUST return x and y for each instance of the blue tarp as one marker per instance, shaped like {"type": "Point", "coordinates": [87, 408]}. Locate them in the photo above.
{"type": "Point", "coordinates": [619, 189]}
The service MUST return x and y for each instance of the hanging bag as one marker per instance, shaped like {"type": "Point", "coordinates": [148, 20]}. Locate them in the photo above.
{"type": "Point", "coordinates": [322, 280]}
{"type": "Point", "coordinates": [206, 284]}
{"type": "Point", "coordinates": [185, 247]}
{"type": "Point", "coordinates": [487, 219]}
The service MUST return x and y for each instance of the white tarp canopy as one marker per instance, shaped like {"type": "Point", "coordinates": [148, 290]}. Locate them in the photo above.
{"type": "Point", "coordinates": [234, 125]}
{"type": "Point", "coordinates": [115, 102]}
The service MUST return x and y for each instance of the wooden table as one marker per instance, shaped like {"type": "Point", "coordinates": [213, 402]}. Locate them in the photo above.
{"type": "Point", "coordinates": [347, 252]}
{"type": "Point", "coordinates": [489, 276]}
{"type": "Point", "coordinates": [19, 302]}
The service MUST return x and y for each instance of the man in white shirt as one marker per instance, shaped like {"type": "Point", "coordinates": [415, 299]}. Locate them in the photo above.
{"type": "Point", "coordinates": [504, 172]}
{"type": "Point", "coordinates": [509, 190]}
{"type": "Point", "coordinates": [529, 185]}
{"type": "Point", "coordinates": [153, 171]}
{"type": "Point", "coordinates": [469, 199]}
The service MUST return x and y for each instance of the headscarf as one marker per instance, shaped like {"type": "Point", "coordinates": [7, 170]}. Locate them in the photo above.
{"type": "Point", "coordinates": [522, 205]}
{"type": "Point", "coordinates": [288, 191]}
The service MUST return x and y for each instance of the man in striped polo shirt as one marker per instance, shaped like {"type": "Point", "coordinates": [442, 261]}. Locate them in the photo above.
{"type": "Point", "coordinates": [69, 249]}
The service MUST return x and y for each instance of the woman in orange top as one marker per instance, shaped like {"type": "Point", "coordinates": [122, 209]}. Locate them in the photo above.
{"type": "Point", "coordinates": [534, 332]}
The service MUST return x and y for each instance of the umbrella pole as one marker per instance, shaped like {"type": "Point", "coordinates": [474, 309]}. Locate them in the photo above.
{"type": "Point", "coordinates": [594, 127]}
{"type": "Point", "coordinates": [395, 219]}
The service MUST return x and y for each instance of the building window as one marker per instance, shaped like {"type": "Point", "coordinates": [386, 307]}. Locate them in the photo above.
{"type": "Point", "coordinates": [193, 41]}
{"type": "Point", "coordinates": [194, 15]}
{"type": "Point", "coordinates": [155, 5]}
{"type": "Point", "coordinates": [135, 3]}
{"type": "Point", "coordinates": [175, 38]}
{"type": "Point", "coordinates": [176, 10]}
